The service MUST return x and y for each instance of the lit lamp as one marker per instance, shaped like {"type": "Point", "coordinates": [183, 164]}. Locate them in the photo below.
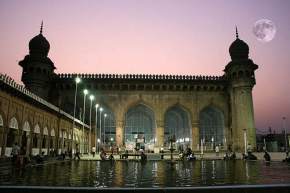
{"type": "Point", "coordinates": [92, 97]}
{"type": "Point", "coordinates": [98, 144]}
{"type": "Point", "coordinates": [97, 106]}
{"type": "Point", "coordinates": [85, 94]}
{"type": "Point", "coordinates": [101, 110]}
{"type": "Point", "coordinates": [77, 81]}
{"type": "Point", "coordinates": [104, 130]}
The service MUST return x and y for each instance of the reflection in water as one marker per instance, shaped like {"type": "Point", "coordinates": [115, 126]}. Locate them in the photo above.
{"type": "Point", "coordinates": [150, 174]}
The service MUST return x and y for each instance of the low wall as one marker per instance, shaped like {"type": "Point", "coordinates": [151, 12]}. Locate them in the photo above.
{"type": "Point", "coordinates": [281, 188]}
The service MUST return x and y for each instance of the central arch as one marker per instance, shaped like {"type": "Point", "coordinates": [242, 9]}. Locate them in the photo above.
{"type": "Point", "coordinates": [140, 128]}
{"type": "Point", "coordinates": [212, 127]}
{"type": "Point", "coordinates": [177, 127]}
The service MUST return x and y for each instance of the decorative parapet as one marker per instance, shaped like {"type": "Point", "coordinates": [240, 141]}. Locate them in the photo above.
{"type": "Point", "coordinates": [142, 77]}
{"type": "Point", "coordinates": [7, 80]}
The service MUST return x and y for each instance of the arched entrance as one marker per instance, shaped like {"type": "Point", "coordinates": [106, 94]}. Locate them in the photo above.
{"type": "Point", "coordinates": [211, 127]}
{"type": "Point", "coordinates": [44, 142]}
{"type": "Point", "coordinates": [177, 128]}
{"type": "Point", "coordinates": [11, 136]}
{"type": "Point", "coordinates": [140, 128]}
{"type": "Point", "coordinates": [25, 139]}
{"type": "Point", "coordinates": [35, 140]}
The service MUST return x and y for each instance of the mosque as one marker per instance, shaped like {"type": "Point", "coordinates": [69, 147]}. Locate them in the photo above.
{"type": "Point", "coordinates": [142, 110]}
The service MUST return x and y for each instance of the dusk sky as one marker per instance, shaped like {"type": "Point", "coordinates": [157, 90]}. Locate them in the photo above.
{"type": "Point", "coordinates": [155, 37]}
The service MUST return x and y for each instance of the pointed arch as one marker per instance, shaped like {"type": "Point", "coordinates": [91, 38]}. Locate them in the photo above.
{"type": "Point", "coordinates": [36, 129]}
{"type": "Point", "coordinates": [212, 125]}
{"type": "Point", "coordinates": [45, 131]}
{"type": "Point", "coordinates": [26, 126]}
{"type": "Point", "coordinates": [13, 123]}
{"type": "Point", "coordinates": [177, 126]}
{"type": "Point", "coordinates": [52, 133]}
{"type": "Point", "coordinates": [140, 125]}
{"type": "Point", "coordinates": [1, 121]}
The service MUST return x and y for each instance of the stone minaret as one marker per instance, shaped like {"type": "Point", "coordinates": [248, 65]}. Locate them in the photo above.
{"type": "Point", "coordinates": [38, 69]}
{"type": "Point", "coordinates": [240, 72]}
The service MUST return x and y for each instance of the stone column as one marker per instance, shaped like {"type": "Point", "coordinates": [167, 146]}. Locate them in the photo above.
{"type": "Point", "coordinates": [195, 137]}
{"type": "Point", "coordinates": [159, 134]}
{"type": "Point", "coordinates": [120, 133]}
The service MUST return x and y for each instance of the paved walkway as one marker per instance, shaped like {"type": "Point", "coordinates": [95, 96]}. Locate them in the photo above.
{"type": "Point", "coordinates": [275, 156]}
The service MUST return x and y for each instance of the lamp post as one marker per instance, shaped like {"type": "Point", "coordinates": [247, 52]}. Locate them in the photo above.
{"type": "Point", "coordinates": [284, 125]}
{"type": "Point", "coordinates": [104, 130]}
{"type": "Point", "coordinates": [101, 109]}
{"type": "Point", "coordinates": [85, 94]}
{"type": "Point", "coordinates": [92, 97]}
{"type": "Point", "coordinates": [97, 106]}
{"type": "Point", "coordinates": [245, 140]}
{"type": "Point", "coordinates": [77, 80]}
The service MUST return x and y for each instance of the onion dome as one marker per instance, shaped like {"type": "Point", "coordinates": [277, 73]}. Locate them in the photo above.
{"type": "Point", "coordinates": [39, 44]}
{"type": "Point", "coordinates": [239, 49]}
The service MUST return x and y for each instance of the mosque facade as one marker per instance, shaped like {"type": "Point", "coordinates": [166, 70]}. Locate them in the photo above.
{"type": "Point", "coordinates": [153, 111]}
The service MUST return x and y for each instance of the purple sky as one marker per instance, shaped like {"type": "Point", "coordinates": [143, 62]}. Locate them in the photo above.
{"type": "Point", "coordinates": [155, 36]}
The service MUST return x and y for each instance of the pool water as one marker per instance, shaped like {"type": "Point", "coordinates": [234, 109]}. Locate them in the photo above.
{"type": "Point", "coordinates": [149, 174]}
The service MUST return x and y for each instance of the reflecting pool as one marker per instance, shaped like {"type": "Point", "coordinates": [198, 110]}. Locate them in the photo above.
{"type": "Point", "coordinates": [149, 174]}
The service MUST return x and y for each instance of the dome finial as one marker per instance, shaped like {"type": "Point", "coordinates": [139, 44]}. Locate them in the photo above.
{"type": "Point", "coordinates": [41, 27]}
{"type": "Point", "coordinates": [237, 33]}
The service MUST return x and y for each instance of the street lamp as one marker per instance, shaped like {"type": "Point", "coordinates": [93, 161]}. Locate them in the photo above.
{"type": "Point", "coordinates": [98, 145]}
{"type": "Point", "coordinates": [101, 109]}
{"type": "Point", "coordinates": [104, 130]}
{"type": "Point", "coordinates": [77, 80]}
{"type": "Point", "coordinates": [97, 106]}
{"type": "Point", "coordinates": [85, 94]}
{"type": "Point", "coordinates": [284, 125]}
{"type": "Point", "coordinates": [245, 140]}
{"type": "Point", "coordinates": [92, 97]}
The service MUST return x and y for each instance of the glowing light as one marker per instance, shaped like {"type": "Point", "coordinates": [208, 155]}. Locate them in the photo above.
{"type": "Point", "coordinates": [78, 80]}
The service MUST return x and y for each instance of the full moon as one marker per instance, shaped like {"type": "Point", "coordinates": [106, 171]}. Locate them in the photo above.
{"type": "Point", "coordinates": [264, 30]}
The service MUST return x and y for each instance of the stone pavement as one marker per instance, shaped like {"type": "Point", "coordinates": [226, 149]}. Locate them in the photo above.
{"type": "Point", "coordinates": [275, 156]}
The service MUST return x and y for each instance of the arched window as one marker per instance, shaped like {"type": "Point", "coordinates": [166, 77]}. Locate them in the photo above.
{"type": "Point", "coordinates": [211, 126]}
{"type": "Point", "coordinates": [177, 127]}
{"type": "Point", "coordinates": [140, 127]}
{"type": "Point", "coordinates": [35, 136]}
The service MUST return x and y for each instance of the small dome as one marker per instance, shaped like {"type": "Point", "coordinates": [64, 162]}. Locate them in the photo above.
{"type": "Point", "coordinates": [239, 50]}
{"type": "Point", "coordinates": [39, 44]}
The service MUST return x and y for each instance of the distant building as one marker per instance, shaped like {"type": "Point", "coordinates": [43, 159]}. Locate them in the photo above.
{"type": "Point", "coordinates": [156, 108]}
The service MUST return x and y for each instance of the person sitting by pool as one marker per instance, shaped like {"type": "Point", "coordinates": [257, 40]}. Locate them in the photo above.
{"type": "Point", "coordinates": [233, 155]}
{"type": "Point", "coordinates": [111, 157]}
{"type": "Point", "coordinates": [143, 156]}
{"type": "Point", "coordinates": [226, 156]}
{"type": "Point", "coordinates": [103, 155]}
{"type": "Point", "coordinates": [287, 158]}
{"type": "Point", "coordinates": [267, 156]}
{"type": "Point", "coordinates": [191, 157]}
{"type": "Point", "coordinates": [250, 156]}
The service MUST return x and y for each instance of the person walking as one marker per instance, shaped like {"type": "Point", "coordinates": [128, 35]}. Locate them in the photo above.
{"type": "Point", "coordinates": [77, 154]}
{"type": "Point", "coordinates": [217, 150]}
{"type": "Point", "coordinates": [15, 152]}
{"type": "Point", "coordinates": [93, 151]}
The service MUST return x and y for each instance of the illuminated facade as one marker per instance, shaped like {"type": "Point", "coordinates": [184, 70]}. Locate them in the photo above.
{"type": "Point", "coordinates": [152, 110]}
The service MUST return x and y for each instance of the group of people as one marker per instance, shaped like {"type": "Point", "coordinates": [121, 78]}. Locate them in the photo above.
{"type": "Point", "coordinates": [188, 155]}
{"type": "Point", "coordinates": [19, 157]}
